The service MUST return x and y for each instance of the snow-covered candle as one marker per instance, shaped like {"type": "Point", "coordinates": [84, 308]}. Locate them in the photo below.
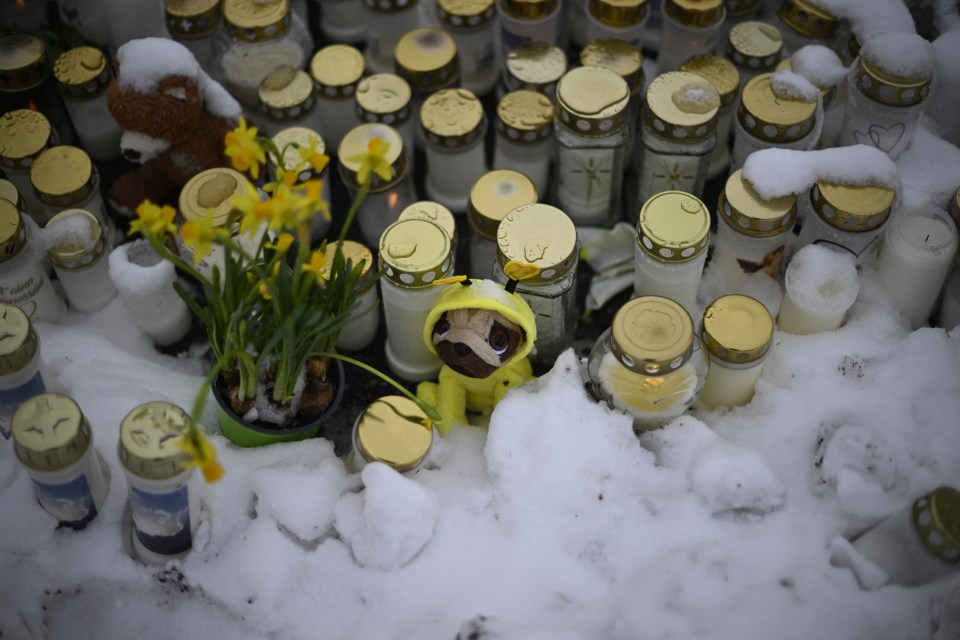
{"type": "Point", "coordinates": [83, 75]}
{"type": "Point", "coordinates": [848, 216]}
{"type": "Point", "coordinates": [494, 195]}
{"type": "Point", "coordinates": [337, 70]}
{"type": "Point", "coordinates": [76, 248]}
{"type": "Point", "coordinates": [393, 430]}
{"type": "Point", "coordinates": [473, 24]}
{"type": "Point", "coordinates": [821, 284]}
{"type": "Point", "coordinates": [524, 140]}
{"type": "Point", "coordinates": [804, 22]}
{"type": "Point", "coordinates": [690, 28]}
{"type": "Point", "coordinates": [23, 281]}
{"type": "Point", "coordinates": [454, 125]}
{"type": "Point", "coordinates": [20, 377]}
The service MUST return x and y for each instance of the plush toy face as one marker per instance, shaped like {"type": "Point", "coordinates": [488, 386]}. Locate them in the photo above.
{"type": "Point", "coordinates": [476, 342]}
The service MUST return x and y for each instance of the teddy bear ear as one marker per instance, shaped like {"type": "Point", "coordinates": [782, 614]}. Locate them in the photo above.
{"type": "Point", "coordinates": [175, 87]}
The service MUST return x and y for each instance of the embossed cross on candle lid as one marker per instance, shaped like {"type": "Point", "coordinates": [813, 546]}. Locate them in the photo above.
{"type": "Point", "coordinates": [188, 19]}
{"type": "Point", "coordinates": [652, 335]}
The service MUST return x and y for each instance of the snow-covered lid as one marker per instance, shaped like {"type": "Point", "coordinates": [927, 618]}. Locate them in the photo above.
{"type": "Point", "coordinates": [50, 432]}
{"type": "Point", "coordinates": [191, 19]}
{"type": "Point", "coordinates": [619, 14]}
{"type": "Point", "coordinates": [427, 59]}
{"type": "Point", "coordinates": [23, 63]}
{"type": "Point", "coordinates": [82, 72]}
{"type": "Point", "coordinates": [536, 66]}
{"type": "Point", "coordinates": [542, 235]}
{"type": "Point", "coordinates": [149, 439]}
{"type": "Point", "coordinates": [674, 227]}
{"type": "Point", "coordinates": [256, 20]}
{"type": "Point", "coordinates": [63, 176]}
{"type": "Point", "coordinates": [395, 431]}
{"type": "Point", "coordinates": [385, 98]}
{"type": "Point", "coordinates": [772, 117]}
{"type": "Point", "coordinates": [592, 102]}
{"type": "Point", "coordinates": [356, 143]}
{"type": "Point", "coordinates": [414, 253]}
{"type": "Point", "coordinates": [652, 336]}
{"type": "Point", "coordinates": [74, 239]}
{"type": "Point", "coordinates": [896, 69]}
{"type": "Point", "coordinates": [746, 212]}
{"type": "Point", "coordinates": [755, 46]}
{"type": "Point", "coordinates": [623, 58]}
{"type": "Point", "coordinates": [681, 107]}
{"type": "Point", "coordinates": [286, 93]}
{"type": "Point", "coordinates": [528, 9]}
{"type": "Point", "coordinates": [24, 133]}
{"type": "Point", "coordinates": [453, 118]}
{"type": "Point", "coordinates": [695, 13]}
{"type": "Point", "coordinates": [18, 340]}
{"type": "Point", "coordinates": [936, 517]}
{"type": "Point", "coordinates": [495, 194]}
{"type": "Point", "coordinates": [718, 71]}
{"type": "Point", "coordinates": [737, 329]}
{"type": "Point", "coordinates": [808, 19]}
{"type": "Point", "coordinates": [466, 14]}
{"type": "Point", "coordinates": [852, 208]}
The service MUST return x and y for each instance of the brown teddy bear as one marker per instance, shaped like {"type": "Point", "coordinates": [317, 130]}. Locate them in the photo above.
{"type": "Point", "coordinates": [174, 119]}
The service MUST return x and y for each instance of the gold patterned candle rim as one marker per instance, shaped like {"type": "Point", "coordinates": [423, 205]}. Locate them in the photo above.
{"type": "Point", "coordinates": [452, 118]}
{"type": "Point", "coordinates": [737, 329]}
{"type": "Point", "coordinates": [681, 106]}
{"type": "Point", "coordinates": [464, 15]}
{"type": "Point", "coordinates": [63, 176]}
{"type": "Point", "coordinates": [718, 71]}
{"type": "Point", "coordinates": [888, 88]}
{"type": "Point", "coordinates": [209, 193]}
{"type": "Point", "coordinates": [286, 93]}
{"type": "Point", "coordinates": [256, 20]}
{"type": "Point", "coordinates": [190, 19]}
{"type": "Point", "coordinates": [82, 72]}
{"type": "Point", "coordinates": [19, 343]}
{"type": "Point", "coordinates": [695, 13]}
{"type": "Point", "coordinates": [337, 68]}
{"type": "Point", "coordinates": [623, 58]}
{"type": "Point", "coordinates": [674, 227]}
{"type": "Point", "coordinates": [936, 520]}
{"type": "Point", "coordinates": [542, 235]}
{"type": "Point", "coordinates": [592, 102]}
{"type": "Point", "coordinates": [525, 117]}
{"type": "Point", "coordinates": [773, 118]}
{"type": "Point", "coordinates": [23, 63]}
{"type": "Point", "coordinates": [351, 250]}
{"type": "Point", "coordinates": [414, 253]}
{"type": "Point", "coordinates": [290, 140]}
{"type": "Point", "coordinates": [808, 19]}
{"type": "Point", "coordinates": [394, 430]}
{"type": "Point", "coordinates": [50, 432]}
{"type": "Point", "coordinates": [854, 208]}
{"type": "Point", "coordinates": [149, 439]}
{"type": "Point", "coordinates": [652, 335]}
{"type": "Point", "coordinates": [384, 98]}
{"type": "Point", "coordinates": [787, 65]}
{"type": "Point", "coordinates": [389, 6]}
{"type": "Point", "coordinates": [528, 9]}
{"type": "Point", "coordinates": [535, 65]}
{"type": "Point", "coordinates": [755, 46]}
{"type": "Point", "coordinates": [495, 194]}
{"type": "Point", "coordinates": [24, 134]}
{"type": "Point", "coordinates": [747, 213]}
{"type": "Point", "coordinates": [427, 59]}
{"type": "Point", "coordinates": [620, 14]}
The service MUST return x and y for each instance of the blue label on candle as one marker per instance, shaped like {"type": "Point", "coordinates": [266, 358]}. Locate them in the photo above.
{"type": "Point", "coordinates": [162, 520]}
{"type": "Point", "coordinates": [10, 399]}
{"type": "Point", "coordinates": [71, 502]}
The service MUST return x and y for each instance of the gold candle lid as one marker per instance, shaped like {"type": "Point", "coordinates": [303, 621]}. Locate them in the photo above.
{"type": "Point", "coordinates": [894, 89]}
{"type": "Point", "coordinates": [494, 195]}
{"type": "Point", "coordinates": [256, 20]}
{"type": "Point", "coordinates": [537, 66]}
{"type": "Point", "coordinates": [674, 227]}
{"type": "Point", "coordinates": [357, 142]}
{"type": "Point", "coordinates": [208, 195]}
{"type": "Point", "coordinates": [737, 329]}
{"type": "Point", "coordinates": [24, 133]}
{"type": "Point", "coordinates": [13, 233]}
{"type": "Point", "coordinates": [337, 69]}
{"type": "Point", "coordinates": [746, 212]}
{"type": "Point", "coordinates": [465, 14]}
{"type": "Point", "coordinates": [525, 117]}
{"type": "Point", "coordinates": [681, 107]}
{"type": "Point", "coordinates": [694, 13]}
{"type": "Point", "coordinates": [652, 336]}
{"type": "Point", "coordinates": [850, 207]}
{"type": "Point", "coordinates": [10, 193]}
{"type": "Point", "coordinates": [82, 72]}
{"type": "Point", "coordinates": [623, 58]}
{"type": "Point", "coordinates": [592, 102]}
{"type": "Point", "coordinates": [427, 59]}
{"type": "Point", "coordinates": [18, 340]}
{"type": "Point", "coordinates": [787, 65]}
{"type": "Point", "coordinates": [50, 432]}
{"type": "Point", "coordinates": [434, 212]}
{"type": "Point", "coordinates": [808, 19]}
{"type": "Point", "coordinates": [740, 8]}
{"type": "Point", "coordinates": [542, 235]}
{"type": "Point", "coordinates": [718, 71]}
{"type": "Point", "coordinates": [620, 14]}
{"type": "Point", "coordinates": [773, 118]}
{"type": "Point", "coordinates": [63, 176]}
{"type": "Point", "coordinates": [452, 118]}
{"type": "Point", "coordinates": [936, 519]}
{"type": "Point", "coordinates": [189, 19]}
{"type": "Point", "coordinates": [528, 9]}
{"type": "Point", "coordinates": [395, 431]}
{"type": "Point", "coordinates": [389, 6]}
{"type": "Point", "coordinates": [755, 46]}
{"type": "Point", "coordinates": [286, 93]}
{"type": "Point", "coordinates": [384, 97]}
{"type": "Point", "coordinates": [149, 440]}
{"type": "Point", "coordinates": [75, 239]}
{"type": "Point", "coordinates": [23, 63]}
{"type": "Point", "coordinates": [414, 253]}
{"type": "Point", "coordinates": [289, 141]}
{"type": "Point", "coordinates": [352, 251]}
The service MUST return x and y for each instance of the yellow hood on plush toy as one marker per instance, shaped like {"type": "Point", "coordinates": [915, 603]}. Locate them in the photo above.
{"type": "Point", "coordinates": [483, 294]}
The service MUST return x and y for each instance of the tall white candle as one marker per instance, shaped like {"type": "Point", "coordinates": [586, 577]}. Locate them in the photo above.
{"type": "Point", "coordinates": [917, 252]}
{"type": "Point", "coordinates": [821, 284]}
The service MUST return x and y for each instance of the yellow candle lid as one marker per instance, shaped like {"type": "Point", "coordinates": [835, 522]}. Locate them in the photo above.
{"type": "Point", "coordinates": [208, 195]}
{"type": "Point", "coordinates": [13, 233]}
{"type": "Point", "coordinates": [414, 253]}
{"type": "Point", "coordinates": [652, 335]}
{"type": "Point", "coordinates": [525, 117]}
{"type": "Point", "coordinates": [681, 106]}
{"type": "Point", "coordinates": [434, 212]}
{"type": "Point", "coordinates": [82, 72]}
{"type": "Point", "coordinates": [898, 89]}
{"type": "Point", "coordinates": [755, 46]}
{"type": "Point", "coordinates": [694, 13]}
{"type": "Point", "coordinates": [737, 329]}
{"type": "Point", "coordinates": [18, 340]}
{"type": "Point", "coordinates": [81, 242]}
{"type": "Point", "coordinates": [535, 66]}
{"type": "Point", "coordinates": [452, 118]}
{"type": "Point", "coordinates": [337, 69]}
{"type": "Point", "coordinates": [718, 71]}
{"type": "Point", "coordinates": [853, 208]}
{"type": "Point", "coordinates": [63, 176]}
{"type": "Point", "coordinates": [427, 59]}
{"type": "Point", "coordinates": [623, 58]}
{"type": "Point", "coordinates": [355, 252]}
{"type": "Point", "coordinates": [542, 235]}
{"type": "Point", "coordinates": [465, 14]}
{"type": "Point", "coordinates": [24, 133]}
{"type": "Point", "coordinates": [395, 431]}
{"type": "Point", "coordinates": [771, 117]}
{"type": "Point", "coordinates": [936, 518]}
{"type": "Point", "coordinates": [50, 432]}
{"type": "Point", "coordinates": [286, 93]}
{"type": "Point", "coordinates": [620, 14]}
{"type": "Point", "coordinates": [23, 63]}
{"type": "Point", "coordinates": [746, 212]}
{"type": "Point", "coordinates": [289, 141]}
{"type": "Point", "coordinates": [592, 102]}
{"type": "Point", "coordinates": [674, 227]}
{"type": "Point", "coordinates": [256, 20]}
{"type": "Point", "coordinates": [528, 9]}
{"type": "Point", "coordinates": [494, 195]}
{"type": "Point", "coordinates": [384, 97]}
{"type": "Point", "coordinates": [149, 439]}
{"type": "Point", "coordinates": [189, 19]}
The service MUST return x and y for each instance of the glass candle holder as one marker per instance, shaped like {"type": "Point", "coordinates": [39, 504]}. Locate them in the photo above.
{"type": "Point", "coordinates": [616, 19]}
{"type": "Point", "coordinates": [343, 21]}
{"type": "Point", "coordinates": [76, 248]}
{"type": "Point", "coordinates": [288, 98]}
{"type": "Point", "coordinates": [591, 117]}
{"type": "Point", "coordinates": [725, 78]}
{"type": "Point", "coordinates": [672, 238]}
{"type": "Point", "coordinates": [737, 332]}
{"type": "Point", "coordinates": [194, 24]}
{"type": "Point", "coordinates": [164, 489]}
{"type": "Point", "coordinates": [536, 66]}
{"type": "Point", "coordinates": [436, 213]}
{"type": "Point", "coordinates": [20, 377]}
{"type": "Point", "coordinates": [24, 134]}
{"type": "Point", "coordinates": [386, 21]}
{"type": "Point", "coordinates": [393, 430]}
{"type": "Point", "coordinates": [690, 28]}
{"type": "Point", "coordinates": [413, 253]}
{"type": "Point", "coordinates": [737, 12]}
{"type": "Point", "coordinates": [648, 363]}
{"type": "Point", "coordinates": [290, 142]}
{"type": "Point", "coordinates": [524, 140]}
{"type": "Point", "coordinates": [454, 126]}
{"type": "Point", "coordinates": [753, 234]}
{"type": "Point", "coordinates": [83, 75]}
{"type": "Point", "coordinates": [26, 82]}
{"type": "Point", "coordinates": [473, 25]}
{"type": "Point", "coordinates": [678, 132]}
{"type": "Point", "coordinates": [64, 178]}
{"type": "Point", "coordinates": [337, 69]}
{"type": "Point", "coordinates": [54, 442]}
{"type": "Point", "coordinates": [494, 195]}
{"type": "Point", "coordinates": [526, 21]}
{"type": "Point", "coordinates": [754, 47]}
{"type": "Point", "coordinates": [848, 216]}
{"type": "Point", "coordinates": [23, 281]}
{"type": "Point", "coordinates": [364, 320]}
{"type": "Point", "coordinates": [803, 22]}
{"type": "Point", "coordinates": [821, 284]}
{"type": "Point", "coordinates": [918, 250]}
{"type": "Point", "coordinates": [387, 98]}
{"type": "Point", "coordinates": [546, 237]}
{"type": "Point", "coordinates": [625, 60]}
{"type": "Point", "coordinates": [885, 105]}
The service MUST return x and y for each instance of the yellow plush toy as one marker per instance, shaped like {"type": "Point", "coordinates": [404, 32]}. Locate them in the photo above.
{"type": "Point", "coordinates": [483, 332]}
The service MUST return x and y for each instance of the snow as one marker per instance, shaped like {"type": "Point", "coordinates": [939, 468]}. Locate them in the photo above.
{"type": "Point", "coordinates": [928, 169]}
{"type": "Point", "coordinates": [136, 269]}
{"type": "Point", "coordinates": [945, 94]}
{"type": "Point", "coordinates": [905, 55]}
{"type": "Point", "coordinates": [819, 65]}
{"type": "Point", "coordinates": [871, 18]}
{"type": "Point", "coordinates": [790, 85]}
{"type": "Point", "coordinates": [820, 277]}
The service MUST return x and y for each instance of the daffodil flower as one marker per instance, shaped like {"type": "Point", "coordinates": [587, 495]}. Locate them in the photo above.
{"type": "Point", "coordinates": [154, 220]}
{"type": "Point", "coordinates": [200, 234]}
{"type": "Point", "coordinates": [263, 286]}
{"type": "Point", "coordinates": [254, 212]}
{"type": "Point", "coordinates": [373, 161]}
{"type": "Point", "coordinates": [202, 454]}
{"type": "Point", "coordinates": [312, 156]}
{"type": "Point", "coordinates": [284, 241]}
{"type": "Point", "coordinates": [244, 151]}
{"type": "Point", "coordinates": [317, 265]}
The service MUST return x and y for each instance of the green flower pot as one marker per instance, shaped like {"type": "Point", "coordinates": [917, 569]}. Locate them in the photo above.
{"type": "Point", "coordinates": [249, 434]}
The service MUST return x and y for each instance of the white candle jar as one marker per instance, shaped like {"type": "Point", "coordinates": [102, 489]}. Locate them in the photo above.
{"type": "Point", "coordinates": [678, 135]}
{"type": "Point", "coordinates": [164, 493]}
{"type": "Point", "coordinates": [386, 21]}
{"type": "Point", "coordinates": [290, 142]}
{"type": "Point", "coordinates": [617, 19]}
{"type": "Point", "coordinates": [76, 249]}
{"type": "Point", "coordinates": [64, 178]}
{"type": "Point", "coordinates": [288, 98]}
{"type": "Point", "coordinates": [385, 198]}
{"type": "Point", "coordinates": [526, 21]}
{"type": "Point", "coordinates": [753, 234]}
{"type": "Point", "coordinates": [738, 11]}
{"type": "Point", "coordinates": [766, 120]}
{"type": "Point", "coordinates": [257, 38]}
{"type": "Point", "coordinates": [737, 332]}
{"type": "Point", "coordinates": [949, 315]}
{"type": "Point", "coordinates": [132, 19]}
{"type": "Point", "coordinates": [427, 59]}
{"type": "Point", "coordinates": [24, 134]}
{"type": "Point", "coordinates": [546, 237]}
{"type": "Point", "coordinates": [725, 78]}
{"type": "Point", "coordinates": [672, 238]}
{"type": "Point", "coordinates": [343, 21]}
{"type": "Point", "coordinates": [821, 284]}
{"type": "Point", "coordinates": [591, 119]}
{"type": "Point", "coordinates": [364, 319]}
{"type": "Point", "coordinates": [337, 71]}
{"type": "Point", "coordinates": [625, 60]}
{"type": "Point", "coordinates": [54, 442]}
{"type": "Point", "coordinates": [648, 363]}
{"type": "Point", "coordinates": [387, 98]}
{"type": "Point", "coordinates": [754, 47]}
{"type": "Point", "coordinates": [690, 28]}
{"type": "Point", "coordinates": [524, 140]}
{"type": "Point", "coordinates": [194, 24]}
{"type": "Point", "coordinates": [144, 282]}
{"type": "Point", "coordinates": [436, 213]}
{"type": "Point", "coordinates": [413, 254]}
{"type": "Point", "coordinates": [20, 377]}
{"type": "Point", "coordinates": [83, 76]}
{"type": "Point", "coordinates": [392, 430]}
{"type": "Point", "coordinates": [23, 281]}
{"type": "Point", "coordinates": [474, 26]}
{"type": "Point", "coordinates": [454, 125]}
{"type": "Point", "coordinates": [803, 22]}
{"type": "Point", "coordinates": [86, 18]}
{"type": "Point", "coordinates": [918, 250]}
{"type": "Point", "coordinates": [834, 102]}
{"type": "Point", "coordinates": [535, 66]}
{"type": "Point", "coordinates": [492, 197]}
{"type": "Point", "coordinates": [848, 216]}
{"type": "Point", "coordinates": [918, 544]}
{"type": "Point", "coordinates": [884, 106]}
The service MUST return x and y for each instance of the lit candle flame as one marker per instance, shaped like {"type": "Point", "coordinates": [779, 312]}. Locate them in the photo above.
{"type": "Point", "coordinates": [392, 199]}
